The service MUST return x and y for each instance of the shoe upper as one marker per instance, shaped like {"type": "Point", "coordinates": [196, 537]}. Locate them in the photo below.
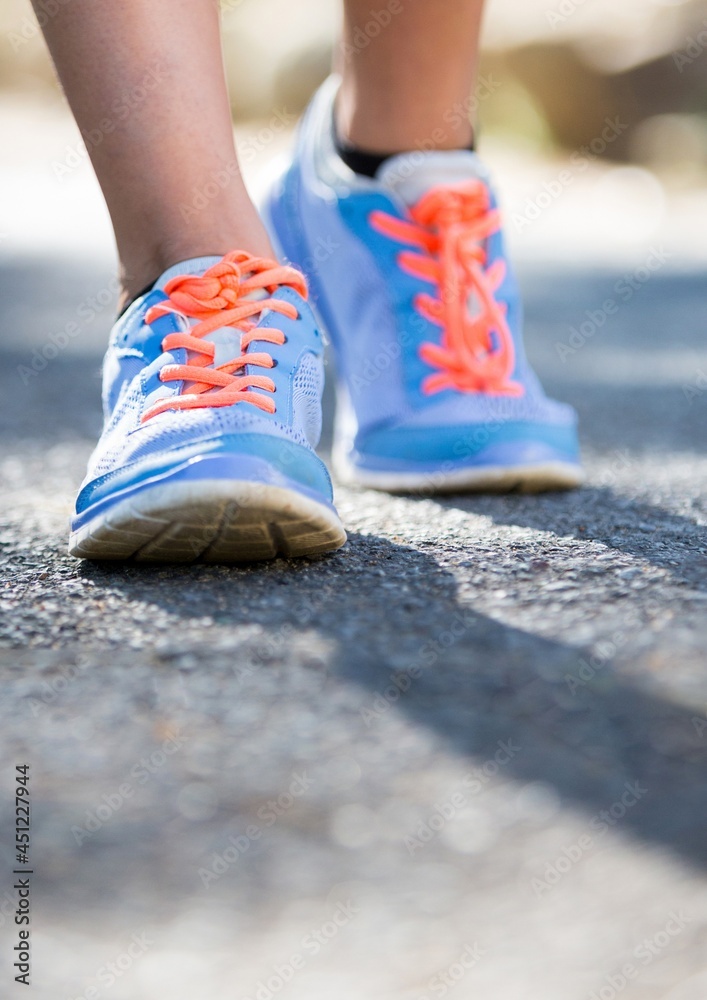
{"type": "Point", "coordinates": [388, 262]}
{"type": "Point", "coordinates": [135, 443]}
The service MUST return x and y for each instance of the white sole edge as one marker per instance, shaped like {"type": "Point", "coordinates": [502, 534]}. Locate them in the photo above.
{"type": "Point", "coordinates": [217, 521]}
{"type": "Point", "coordinates": [491, 479]}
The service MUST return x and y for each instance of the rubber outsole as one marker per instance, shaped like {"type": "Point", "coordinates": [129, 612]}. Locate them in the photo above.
{"type": "Point", "coordinates": [214, 521]}
{"type": "Point", "coordinates": [539, 478]}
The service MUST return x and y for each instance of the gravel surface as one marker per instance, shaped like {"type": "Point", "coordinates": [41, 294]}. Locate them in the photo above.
{"type": "Point", "coordinates": [464, 754]}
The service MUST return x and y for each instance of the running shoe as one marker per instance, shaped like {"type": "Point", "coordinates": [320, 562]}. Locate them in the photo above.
{"type": "Point", "coordinates": [409, 274]}
{"type": "Point", "coordinates": [212, 399]}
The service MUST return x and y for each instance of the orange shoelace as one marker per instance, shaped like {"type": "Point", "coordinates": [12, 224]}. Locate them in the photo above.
{"type": "Point", "coordinates": [450, 225]}
{"type": "Point", "coordinates": [219, 298]}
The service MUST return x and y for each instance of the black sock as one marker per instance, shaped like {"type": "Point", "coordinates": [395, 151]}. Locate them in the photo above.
{"type": "Point", "coordinates": [146, 289]}
{"type": "Point", "coordinates": [363, 161]}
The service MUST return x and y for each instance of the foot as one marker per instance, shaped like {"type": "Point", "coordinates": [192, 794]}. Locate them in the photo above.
{"type": "Point", "coordinates": [212, 398]}
{"type": "Point", "coordinates": [408, 271]}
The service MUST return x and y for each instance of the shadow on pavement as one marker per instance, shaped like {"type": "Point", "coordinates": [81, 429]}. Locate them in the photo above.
{"type": "Point", "coordinates": [389, 608]}
{"type": "Point", "coordinates": [386, 608]}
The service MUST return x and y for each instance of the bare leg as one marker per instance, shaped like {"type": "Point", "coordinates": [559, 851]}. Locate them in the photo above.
{"type": "Point", "coordinates": [156, 152]}
{"type": "Point", "coordinates": [399, 82]}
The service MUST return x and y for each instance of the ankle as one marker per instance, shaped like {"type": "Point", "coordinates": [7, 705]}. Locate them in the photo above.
{"type": "Point", "coordinates": [392, 130]}
{"type": "Point", "coordinates": [140, 267]}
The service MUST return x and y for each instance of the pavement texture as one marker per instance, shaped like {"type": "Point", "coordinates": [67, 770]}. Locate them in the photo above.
{"type": "Point", "coordinates": [463, 756]}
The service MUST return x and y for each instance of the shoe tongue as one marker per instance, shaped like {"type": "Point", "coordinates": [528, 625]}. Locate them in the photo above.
{"type": "Point", "coordinates": [226, 340]}
{"type": "Point", "coordinates": [195, 265]}
{"type": "Point", "coordinates": [409, 175]}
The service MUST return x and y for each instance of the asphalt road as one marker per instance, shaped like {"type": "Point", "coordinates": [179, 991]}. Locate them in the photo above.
{"type": "Point", "coordinates": [465, 755]}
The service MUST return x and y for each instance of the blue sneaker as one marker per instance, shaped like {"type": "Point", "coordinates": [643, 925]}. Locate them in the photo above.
{"type": "Point", "coordinates": [409, 274]}
{"type": "Point", "coordinates": [212, 398]}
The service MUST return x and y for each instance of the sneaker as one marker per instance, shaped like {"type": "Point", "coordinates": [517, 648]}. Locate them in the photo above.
{"type": "Point", "coordinates": [408, 272]}
{"type": "Point", "coordinates": [212, 398]}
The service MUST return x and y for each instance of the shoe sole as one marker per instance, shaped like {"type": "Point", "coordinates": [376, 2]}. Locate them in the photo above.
{"type": "Point", "coordinates": [213, 521]}
{"type": "Point", "coordinates": [491, 479]}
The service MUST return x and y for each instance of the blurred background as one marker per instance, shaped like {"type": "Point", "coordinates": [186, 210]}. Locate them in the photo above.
{"type": "Point", "coordinates": [564, 65]}
{"type": "Point", "coordinates": [557, 72]}
{"type": "Point", "coordinates": [100, 667]}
